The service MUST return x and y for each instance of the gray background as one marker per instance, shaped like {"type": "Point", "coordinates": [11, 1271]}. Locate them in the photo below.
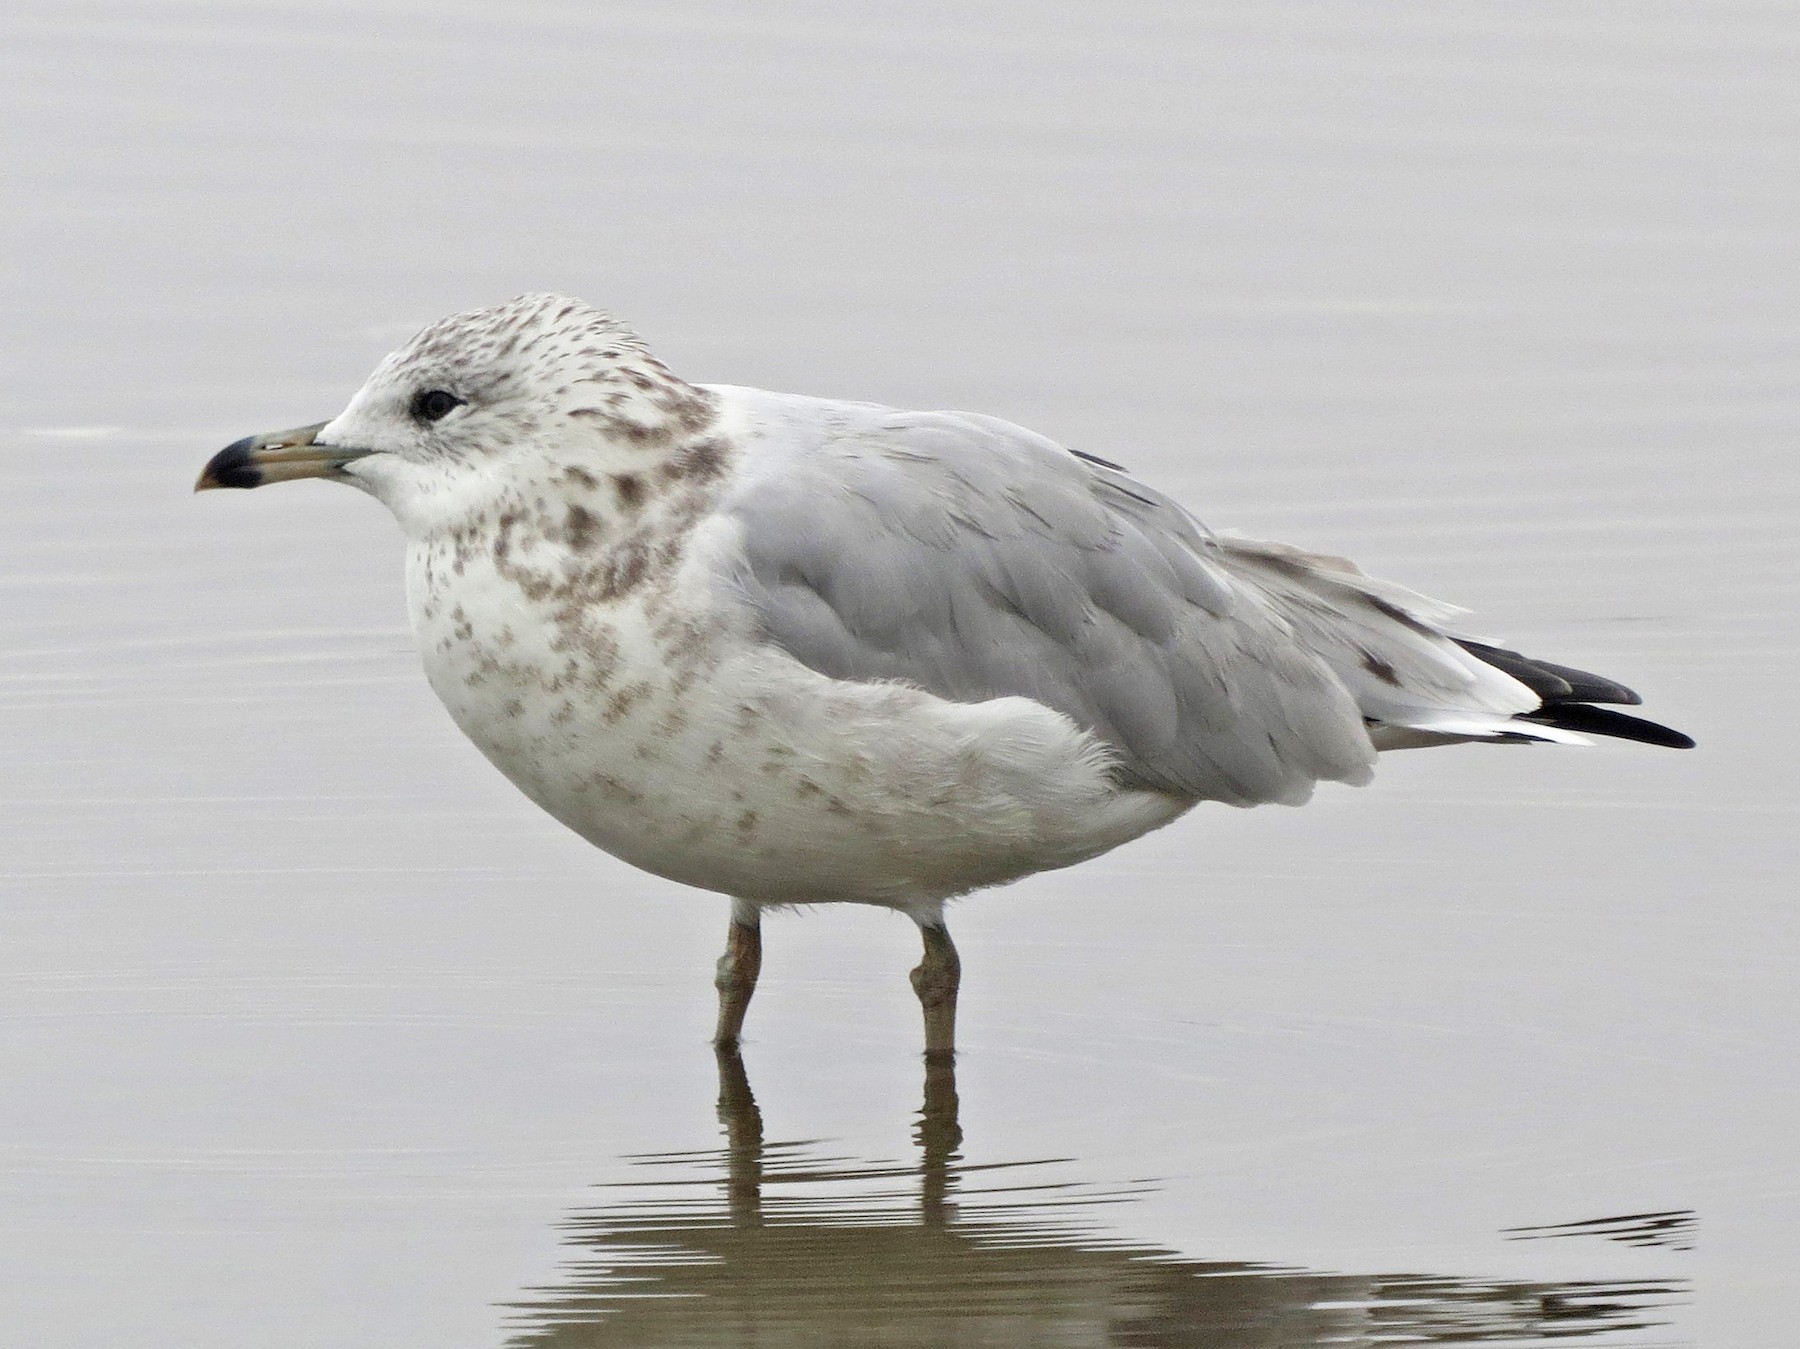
{"type": "Point", "coordinates": [312, 1031]}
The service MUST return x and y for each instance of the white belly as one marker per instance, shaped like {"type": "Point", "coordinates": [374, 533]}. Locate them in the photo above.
{"type": "Point", "coordinates": [687, 749]}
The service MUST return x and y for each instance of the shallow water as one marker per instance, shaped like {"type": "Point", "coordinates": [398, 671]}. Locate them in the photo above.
{"type": "Point", "coordinates": [313, 1033]}
{"type": "Point", "coordinates": [789, 1243]}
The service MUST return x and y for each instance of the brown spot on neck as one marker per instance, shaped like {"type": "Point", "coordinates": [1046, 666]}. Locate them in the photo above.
{"type": "Point", "coordinates": [627, 569]}
{"type": "Point", "coordinates": [629, 488]}
{"type": "Point", "coordinates": [580, 528]}
{"type": "Point", "coordinates": [697, 461]}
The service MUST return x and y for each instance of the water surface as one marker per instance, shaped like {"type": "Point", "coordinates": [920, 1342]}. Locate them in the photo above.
{"type": "Point", "coordinates": [315, 1034]}
{"type": "Point", "coordinates": [764, 1242]}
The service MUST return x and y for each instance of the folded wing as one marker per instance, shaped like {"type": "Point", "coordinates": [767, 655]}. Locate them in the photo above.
{"type": "Point", "coordinates": [977, 560]}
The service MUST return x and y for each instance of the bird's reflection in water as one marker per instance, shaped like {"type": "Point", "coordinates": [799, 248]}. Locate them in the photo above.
{"type": "Point", "coordinates": [784, 1245]}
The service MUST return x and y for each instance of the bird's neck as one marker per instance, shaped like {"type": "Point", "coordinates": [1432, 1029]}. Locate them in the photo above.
{"type": "Point", "coordinates": [636, 400]}
{"type": "Point", "coordinates": [583, 523]}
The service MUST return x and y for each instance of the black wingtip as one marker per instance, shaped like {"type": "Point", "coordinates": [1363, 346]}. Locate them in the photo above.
{"type": "Point", "coordinates": [1553, 683]}
{"type": "Point", "coordinates": [1581, 718]}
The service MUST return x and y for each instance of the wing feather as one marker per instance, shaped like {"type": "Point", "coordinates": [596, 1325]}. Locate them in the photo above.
{"type": "Point", "coordinates": [977, 560]}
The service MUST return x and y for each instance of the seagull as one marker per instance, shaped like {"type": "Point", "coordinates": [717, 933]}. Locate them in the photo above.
{"type": "Point", "coordinates": [800, 650]}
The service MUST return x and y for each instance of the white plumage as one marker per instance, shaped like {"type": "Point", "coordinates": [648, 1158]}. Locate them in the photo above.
{"type": "Point", "coordinates": [797, 651]}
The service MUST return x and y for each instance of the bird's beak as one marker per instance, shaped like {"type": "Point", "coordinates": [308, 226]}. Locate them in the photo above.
{"type": "Point", "coordinates": [275, 456]}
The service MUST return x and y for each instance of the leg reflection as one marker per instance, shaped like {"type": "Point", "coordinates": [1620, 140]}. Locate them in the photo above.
{"type": "Point", "coordinates": [743, 1139]}
{"type": "Point", "coordinates": [939, 1136]}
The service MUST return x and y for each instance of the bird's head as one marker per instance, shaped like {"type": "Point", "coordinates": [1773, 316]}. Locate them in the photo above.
{"type": "Point", "coordinates": [470, 400]}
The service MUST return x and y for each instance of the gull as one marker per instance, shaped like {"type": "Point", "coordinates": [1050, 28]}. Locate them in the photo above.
{"type": "Point", "coordinates": [798, 650]}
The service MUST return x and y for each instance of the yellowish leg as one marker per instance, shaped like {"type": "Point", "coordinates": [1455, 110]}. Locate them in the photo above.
{"type": "Point", "coordinates": [935, 981]}
{"type": "Point", "coordinates": [737, 971]}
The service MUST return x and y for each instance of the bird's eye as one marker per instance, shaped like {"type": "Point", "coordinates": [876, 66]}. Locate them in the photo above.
{"type": "Point", "coordinates": [433, 405]}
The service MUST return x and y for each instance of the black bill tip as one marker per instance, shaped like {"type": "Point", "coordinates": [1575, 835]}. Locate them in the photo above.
{"type": "Point", "coordinates": [232, 466]}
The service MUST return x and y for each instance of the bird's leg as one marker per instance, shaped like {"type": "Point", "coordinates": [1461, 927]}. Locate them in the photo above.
{"type": "Point", "coordinates": [737, 971]}
{"type": "Point", "coordinates": [935, 981]}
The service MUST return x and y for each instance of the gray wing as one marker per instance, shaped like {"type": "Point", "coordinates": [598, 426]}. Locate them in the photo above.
{"type": "Point", "coordinates": [977, 560]}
